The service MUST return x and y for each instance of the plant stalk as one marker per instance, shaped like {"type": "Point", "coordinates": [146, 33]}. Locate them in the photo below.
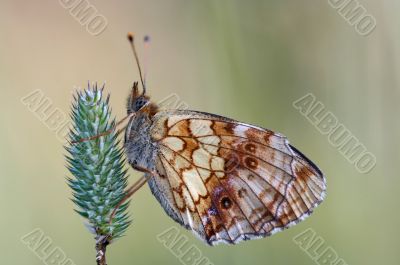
{"type": "Point", "coordinates": [101, 247]}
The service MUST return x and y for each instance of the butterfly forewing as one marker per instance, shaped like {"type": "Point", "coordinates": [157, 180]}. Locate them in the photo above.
{"type": "Point", "coordinates": [228, 181]}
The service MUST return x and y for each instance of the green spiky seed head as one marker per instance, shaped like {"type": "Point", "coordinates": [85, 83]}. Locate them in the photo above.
{"type": "Point", "coordinates": [97, 165]}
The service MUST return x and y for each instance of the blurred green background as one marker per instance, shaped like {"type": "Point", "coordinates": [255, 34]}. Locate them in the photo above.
{"type": "Point", "coordinates": [248, 60]}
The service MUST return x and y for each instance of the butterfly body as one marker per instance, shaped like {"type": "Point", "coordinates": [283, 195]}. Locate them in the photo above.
{"type": "Point", "coordinates": [139, 147]}
{"type": "Point", "coordinates": [226, 181]}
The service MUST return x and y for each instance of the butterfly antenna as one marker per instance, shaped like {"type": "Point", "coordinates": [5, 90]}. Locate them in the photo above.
{"type": "Point", "coordinates": [131, 40]}
{"type": "Point", "coordinates": [146, 41]}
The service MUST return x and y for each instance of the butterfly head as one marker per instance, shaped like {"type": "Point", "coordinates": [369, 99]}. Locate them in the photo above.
{"type": "Point", "coordinates": [140, 102]}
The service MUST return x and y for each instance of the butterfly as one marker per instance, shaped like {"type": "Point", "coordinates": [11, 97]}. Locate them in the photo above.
{"type": "Point", "coordinates": [225, 180]}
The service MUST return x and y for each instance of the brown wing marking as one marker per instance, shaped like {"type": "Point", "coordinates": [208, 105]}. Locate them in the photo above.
{"type": "Point", "coordinates": [270, 185]}
{"type": "Point", "coordinates": [222, 195]}
{"type": "Point", "coordinates": [211, 220]}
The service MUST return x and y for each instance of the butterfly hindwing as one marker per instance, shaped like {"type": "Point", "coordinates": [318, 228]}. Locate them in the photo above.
{"type": "Point", "coordinates": [229, 181]}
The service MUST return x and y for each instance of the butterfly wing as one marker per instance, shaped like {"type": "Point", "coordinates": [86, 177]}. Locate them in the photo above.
{"type": "Point", "coordinates": [228, 181]}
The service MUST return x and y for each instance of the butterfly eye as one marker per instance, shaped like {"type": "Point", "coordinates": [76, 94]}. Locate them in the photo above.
{"type": "Point", "coordinates": [139, 103]}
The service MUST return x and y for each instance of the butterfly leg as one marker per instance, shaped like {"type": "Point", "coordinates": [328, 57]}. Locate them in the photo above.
{"type": "Point", "coordinates": [106, 132]}
{"type": "Point", "coordinates": [135, 187]}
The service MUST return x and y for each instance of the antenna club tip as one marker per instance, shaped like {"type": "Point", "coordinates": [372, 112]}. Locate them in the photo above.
{"type": "Point", "coordinates": [130, 36]}
{"type": "Point", "coordinates": [146, 38]}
